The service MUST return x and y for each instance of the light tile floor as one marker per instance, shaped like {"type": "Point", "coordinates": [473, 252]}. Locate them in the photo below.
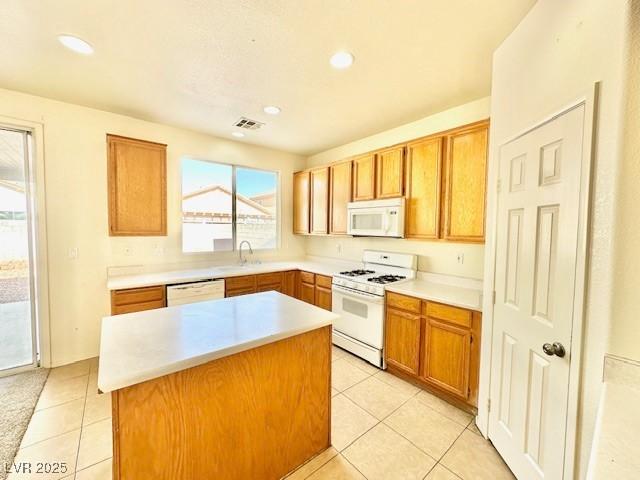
{"type": "Point", "coordinates": [382, 428]}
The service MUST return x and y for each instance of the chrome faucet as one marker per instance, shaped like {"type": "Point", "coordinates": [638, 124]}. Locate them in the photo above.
{"type": "Point", "coordinates": [244, 260]}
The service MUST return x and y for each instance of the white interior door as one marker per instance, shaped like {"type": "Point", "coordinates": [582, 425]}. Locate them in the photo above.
{"type": "Point", "coordinates": [535, 282]}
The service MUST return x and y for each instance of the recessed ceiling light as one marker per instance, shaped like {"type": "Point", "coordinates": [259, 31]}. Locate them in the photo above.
{"type": "Point", "coordinates": [271, 110]}
{"type": "Point", "coordinates": [76, 44]}
{"type": "Point", "coordinates": [341, 60]}
{"type": "Point", "coordinates": [238, 134]}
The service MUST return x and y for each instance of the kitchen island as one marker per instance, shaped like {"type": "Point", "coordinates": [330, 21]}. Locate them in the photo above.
{"type": "Point", "coordinates": [235, 388]}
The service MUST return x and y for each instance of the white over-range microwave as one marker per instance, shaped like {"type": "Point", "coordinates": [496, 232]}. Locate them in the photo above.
{"type": "Point", "coordinates": [376, 218]}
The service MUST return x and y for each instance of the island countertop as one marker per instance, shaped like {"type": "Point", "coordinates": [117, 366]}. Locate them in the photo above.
{"type": "Point", "coordinates": [141, 346]}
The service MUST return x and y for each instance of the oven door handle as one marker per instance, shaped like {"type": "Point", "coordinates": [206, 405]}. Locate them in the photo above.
{"type": "Point", "coordinates": [362, 296]}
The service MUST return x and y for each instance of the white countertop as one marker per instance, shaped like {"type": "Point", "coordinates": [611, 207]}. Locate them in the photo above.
{"type": "Point", "coordinates": [193, 275]}
{"type": "Point", "coordinates": [454, 295]}
{"type": "Point", "coordinates": [616, 450]}
{"type": "Point", "coordinates": [141, 346]}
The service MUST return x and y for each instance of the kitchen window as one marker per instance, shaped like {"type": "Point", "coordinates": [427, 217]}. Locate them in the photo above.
{"type": "Point", "coordinates": [222, 205]}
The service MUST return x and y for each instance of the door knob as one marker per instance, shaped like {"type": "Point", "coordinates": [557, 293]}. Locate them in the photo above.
{"type": "Point", "coordinates": [555, 348]}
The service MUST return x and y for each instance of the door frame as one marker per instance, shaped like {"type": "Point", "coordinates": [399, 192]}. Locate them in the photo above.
{"type": "Point", "coordinates": [40, 249]}
{"type": "Point", "coordinates": [589, 100]}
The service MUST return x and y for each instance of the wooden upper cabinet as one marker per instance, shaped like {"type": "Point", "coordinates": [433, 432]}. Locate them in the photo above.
{"type": "Point", "coordinates": [466, 171]}
{"type": "Point", "coordinates": [423, 180]}
{"type": "Point", "coordinates": [137, 187]}
{"type": "Point", "coordinates": [364, 177]}
{"type": "Point", "coordinates": [339, 196]}
{"type": "Point", "coordinates": [390, 172]}
{"type": "Point", "coordinates": [319, 200]}
{"type": "Point", "coordinates": [301, 189]}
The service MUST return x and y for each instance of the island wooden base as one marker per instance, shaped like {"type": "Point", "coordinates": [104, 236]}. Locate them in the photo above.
{"type": "Point", "coordinates": [257, 414]}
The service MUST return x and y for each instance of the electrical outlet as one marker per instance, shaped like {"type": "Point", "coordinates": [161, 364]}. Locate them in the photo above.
{"type": "Point", "coordinates": [127, 250]}
{"type": "Point", "coordinates": [461, 258]}
{"type": "Point", "coordinates": [73, 253]}
{"type": "Point", "coordinates": [338, 248]}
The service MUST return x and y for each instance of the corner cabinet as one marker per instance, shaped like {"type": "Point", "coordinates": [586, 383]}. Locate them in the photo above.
{"type": "Point", "coordinates": [137, 187]}
{"type": "Point", "coordinates": [435, 344]}
{"type": "Point", "coordinates": [301, 198]}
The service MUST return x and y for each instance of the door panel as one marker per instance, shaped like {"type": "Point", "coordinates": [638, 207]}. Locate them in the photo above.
{"type": "Point", "coordinates": [364, 177]}
{"type": "Point", "coordinates": [466, 171]}
{"type": "Point", "coordinates": [390, 172]}
{"type": "Point", "coordinates": [402, 340]}
{"type": "Point", "coordinates": [339, 197]}
{"type": "Point", "coordinates": [301, 202]}
{"type": "Point", "coordinates": [424, 162]}
{"type": "Point", "coordinates": [536, 255]}
{"type": "Point", "coordinates": [446, 357]}
{"type": "Point", "coordinates": [308, 293]}
{"type": "Point", "coordinates": [319, 200]}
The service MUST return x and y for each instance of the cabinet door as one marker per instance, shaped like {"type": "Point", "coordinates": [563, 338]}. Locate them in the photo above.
{"type": "Point", "coordinates": [137, 186]}
{"type": "Point", "coordinates": [289, 281]}
{"type": "Point", "coordinates": [320, 200]}
{"type": "Point", "coordinates": [423, 171]}
{"type": "Point", "coordinates": [466, 179]}
{"type": "Point", "coordinates": [323, 298]}
{"type": "Point", "coordinates": [402, 340]}
{"type": "Point", "coordinates": [301, 202]}
{"type": "Point", "coordinates": [308, 293]}
{"type": "Point", "coordinates": [364, 177]}
{"type": "Point", "coordinates": [340, 195]}
{"type": "Point", "coordinates": [390, 172]}
{"type": "Point", "coordinates": [445, 357]}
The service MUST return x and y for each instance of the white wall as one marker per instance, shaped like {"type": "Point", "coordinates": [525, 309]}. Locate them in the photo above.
{"type": "Point", "coordinates": [553, 57]}
{"type": "Point", "coordinates": [625, 333]}
{"type": "Point", "coordinates": [433, 256]}
{"type": "Point", "coordinates": [76, 202]}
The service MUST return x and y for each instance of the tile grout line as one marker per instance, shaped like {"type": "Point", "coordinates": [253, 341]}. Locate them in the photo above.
{"type": "Point", "coordinates": [374, 426]}
{"type": "Point", "coordinates": [84, 408]}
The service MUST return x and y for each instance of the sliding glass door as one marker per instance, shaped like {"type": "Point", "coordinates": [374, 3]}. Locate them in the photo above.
{"type": "Point", "coordinates": [18, 325]}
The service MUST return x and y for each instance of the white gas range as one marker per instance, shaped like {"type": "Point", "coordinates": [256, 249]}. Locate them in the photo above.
{"type": "Point", "coordinates": [358, 297]}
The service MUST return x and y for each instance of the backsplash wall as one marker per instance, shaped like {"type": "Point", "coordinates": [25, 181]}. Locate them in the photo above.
{"type": "Point", "coordinates": [433, 256]}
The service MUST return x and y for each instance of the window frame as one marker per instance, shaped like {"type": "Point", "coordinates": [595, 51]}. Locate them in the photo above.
{"type": "Point", "coordinates": [234, 237]}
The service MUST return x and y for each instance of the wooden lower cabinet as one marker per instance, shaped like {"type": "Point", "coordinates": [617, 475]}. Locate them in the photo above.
{"type": "Point", "coordinates": [402, 340]}
{"type": "Point", "coordinates": [308, 292]}
{"type": "Point", "coordinates": [138, 299]}
{"type": "Point", "coordinates": [289, 283]}
{"type": "Point", "coordinates": [438, 345]}
{"type": "Point", "coordinates": [315, 289]}
{"type": "Point", "coordinates": [323, 298]}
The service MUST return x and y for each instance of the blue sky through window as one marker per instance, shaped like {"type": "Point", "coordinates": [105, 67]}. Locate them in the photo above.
{"type": "Point", "coordinates": [197, 174]}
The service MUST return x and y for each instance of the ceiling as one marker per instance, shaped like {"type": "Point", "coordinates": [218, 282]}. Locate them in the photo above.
{"type": "Point", "coordinates": [201, 64]}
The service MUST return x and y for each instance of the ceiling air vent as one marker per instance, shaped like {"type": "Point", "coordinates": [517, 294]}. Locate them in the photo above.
{"type": "Point", "coordinates": [248, 124]}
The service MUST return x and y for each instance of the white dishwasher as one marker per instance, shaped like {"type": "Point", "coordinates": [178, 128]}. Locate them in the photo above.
{"type": "Point", "coordinates": [194, 292]}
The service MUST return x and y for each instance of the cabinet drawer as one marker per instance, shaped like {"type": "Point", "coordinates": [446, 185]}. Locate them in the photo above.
{"type": "Point", "coordinates": [137, 307]}
{"type": "Point", "coordinates": [240, 291]}
{"type": "Point", "coordinates": [269, 279]}
{"type": "Point", "coordinates": [323, 281]}
{"type": "Point", "coordinates": [138, 295]}
{"type": "Point", "coordinates": [307, 277]}
{"type": "Point", "coordinates": [455, 315]}
{"type": "Point", "coordinates": [403, 302]}
{"type": "Point", "coordinates": [240, 283]}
